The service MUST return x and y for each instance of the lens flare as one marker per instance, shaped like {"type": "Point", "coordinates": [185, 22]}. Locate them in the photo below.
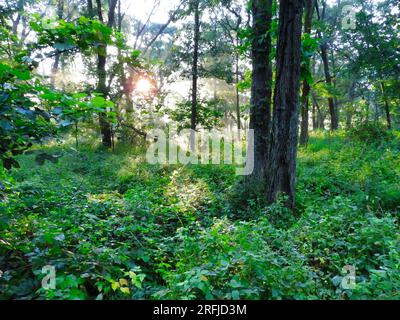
{"type": "Point", "coordinates": [143, 86]}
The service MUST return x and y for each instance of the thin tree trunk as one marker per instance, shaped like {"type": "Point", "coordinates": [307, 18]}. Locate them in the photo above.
{"type": "Point", "coordinates": [328, 77]}
{"type": "Point", "coordinates": [20, 7]}
{"type": "Point", "coordinates": [54, 69]}
{"type": "Point", "coordinates": [193, 123]}
{"type": "Point", "coordinates": [320, 121]}
{"type": "Point", "coordinates": [105, 126]}
{"type": "Point", "coordinates": [387, 108]}
{"type": "Point", "coordinates": [309, 7]}
{"type": "Point", "coordinates": [335, 99]}
{"type": "Point", "coordinates": [314, 116]}
{"type": "Point", "coordinates": [172, 17]}
{"type": "Point", "coordinates": [237, 88]}
{"type": "Point", "coordinates": [126, 82]}
{"type": "Point", "coordinates": [284, 137]}
{"type": "Point", "coordinates": [349, 111]}
{"type": "Point", "coordinates": [260, 110]}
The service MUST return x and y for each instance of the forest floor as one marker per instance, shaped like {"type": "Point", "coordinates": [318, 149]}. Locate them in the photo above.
{"type": "Point", "coordinates": [115, 227]}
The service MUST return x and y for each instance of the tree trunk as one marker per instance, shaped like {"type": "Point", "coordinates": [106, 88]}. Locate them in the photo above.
{"type": "Point", "coordinates": [314, 116]}
{"type": "Point", "coordinates": [320, 117]}
{"type": "Point", "coordinates": [260, 110]}
{"type": "Point", "coordinates": [387, 109]}
{"type": "Point", "coordinates": [20, 8]}
{"type": "Point", "coordinates": [309, 6]}
{"type": "Point", "coordinates": [54, 69]}
{"type": "Point", "coordinates": [328, 79]}
{"type": "Point", "coordinates": [239, 126]}
{"type": "Point", "coordinates": [349, 109]}
{"type": "Point", "coordinates": [105, 126]}
{"type": "Point", "coordinates": [195, 63]}
{"type": "Point", "coordinates": [284, 137]}
{"type": "Point", "coordinates": [325, 61]}
{"type": "Point", "coordinates": [90, 8]}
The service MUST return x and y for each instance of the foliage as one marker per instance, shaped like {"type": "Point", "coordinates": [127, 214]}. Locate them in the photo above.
{"type": "Point", "coordinates": [370, 133]}
{"type": "Point", "coordinates": [117, 228]}
{"type": "Point", "coordinates": [84, 34]}
{"type": "Point", "coordinates": [309, 46]}
{"type": "Point", "coordinates": [24, 119]}
{"type": "Point", "coordinates": [209, 113]}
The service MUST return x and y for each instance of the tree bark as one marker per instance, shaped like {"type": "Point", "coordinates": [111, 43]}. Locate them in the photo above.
{"type": "Point", "coordinates": [105, 126]}
{"type": "Point", "coordinates": [261, 88]}
{"type": "Point", "coordinates": [309, 7]}
{"type": "Point", "coordinates": [284, 137]}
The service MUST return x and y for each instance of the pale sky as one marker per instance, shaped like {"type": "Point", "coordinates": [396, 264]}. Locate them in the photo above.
{"type": "Point", "coordinates": [142, 8]}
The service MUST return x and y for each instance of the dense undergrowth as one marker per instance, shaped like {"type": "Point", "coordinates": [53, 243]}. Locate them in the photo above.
{"type": "Point", "coordinates": [115, 227]}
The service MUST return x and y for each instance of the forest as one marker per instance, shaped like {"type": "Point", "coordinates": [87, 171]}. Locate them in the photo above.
{"type": "Point", "coordinates": [199, 150]}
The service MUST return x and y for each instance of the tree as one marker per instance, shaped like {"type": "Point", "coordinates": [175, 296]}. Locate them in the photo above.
{"type": "Point", "coordinates": [260, 105]}
{"type": "Point", "coordinates": [284, 136]}
{"type": "Point", "coordinates": [375, 58]}
{"type": "Point", "coordinates": [196, 35]}
{"type": "Point", "coordinates": [325, 60]}
{"type": "Point", "coordinates": [234, 25]}
{"type": "Point", "coordinates": [105, 126]}
{"type": "Point", "coordinates": [60, 13]}
{"type": "Point", "coordinates": [305, 99]}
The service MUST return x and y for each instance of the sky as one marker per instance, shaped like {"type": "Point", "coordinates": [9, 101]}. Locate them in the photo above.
{"type": "Point", "coordinates": [142, 8]}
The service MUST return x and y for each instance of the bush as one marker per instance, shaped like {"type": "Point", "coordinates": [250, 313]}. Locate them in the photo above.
{"type": "Point", "coordinates": [369, 132]}
{"type": "Point", "coordinates": [242, 260]}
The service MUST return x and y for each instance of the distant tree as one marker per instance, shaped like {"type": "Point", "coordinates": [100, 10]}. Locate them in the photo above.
{"type": "Point", "coordinates": [306, 87]}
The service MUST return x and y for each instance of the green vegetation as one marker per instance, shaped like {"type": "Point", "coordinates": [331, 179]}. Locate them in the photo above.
{"type": "Point", "coordinates": [88, 210]}
{"type": "Point", "coordinates": [117, 228]}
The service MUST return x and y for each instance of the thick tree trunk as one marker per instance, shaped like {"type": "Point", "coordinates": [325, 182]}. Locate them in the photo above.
{"type": "Point", "coordinates": [283, 147]}
{"type": "Point", "coordinates": [260, 110]}
{"type": "Point", "coordinates": [309, 7]}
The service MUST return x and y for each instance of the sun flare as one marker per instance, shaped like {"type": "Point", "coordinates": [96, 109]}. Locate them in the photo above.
{"type": "Point", "coordinates": [143, 86]}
